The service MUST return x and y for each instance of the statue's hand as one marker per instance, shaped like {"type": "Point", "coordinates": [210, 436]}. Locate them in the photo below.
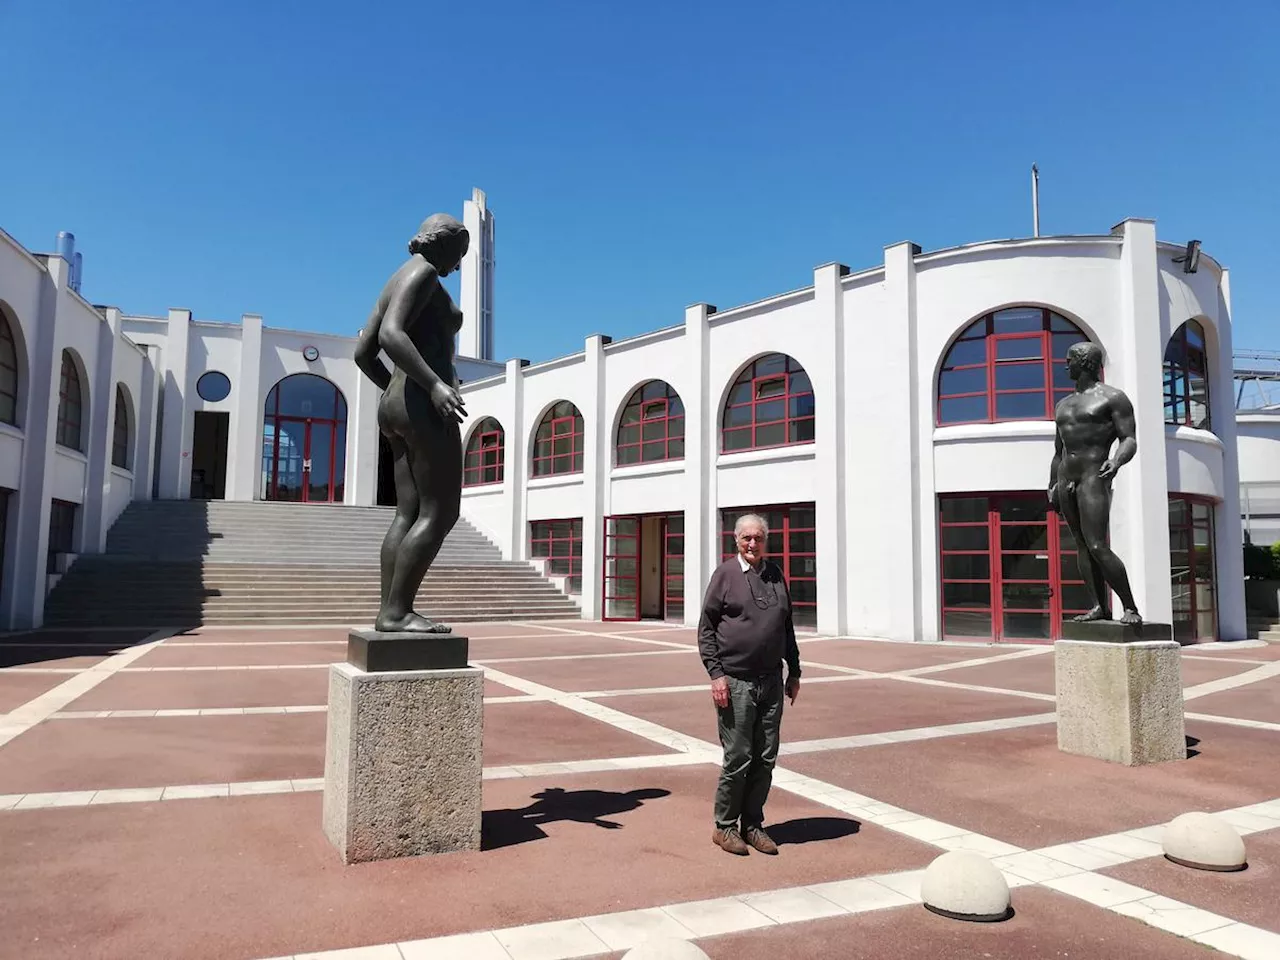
{"type": "Point", "coordinates": [448, 402]}
{"type": "Point", "coordinates": [1107, 470]}
{"type": "Point", "coordinates": [1053, 496]}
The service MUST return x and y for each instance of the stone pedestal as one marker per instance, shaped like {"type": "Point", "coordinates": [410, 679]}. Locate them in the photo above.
{"type": "Point", "coordinates": [403, 767]}
{"type": "Point", "coordinates": [1120, 702]}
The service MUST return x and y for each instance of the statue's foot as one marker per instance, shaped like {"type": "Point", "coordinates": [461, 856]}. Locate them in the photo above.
{"type": "Point", "coordinates": [409, 623]}
{"type": "Point", "coordinates": [1097, 613]}
{"type": "Point", "coordinates": [1131, 616]}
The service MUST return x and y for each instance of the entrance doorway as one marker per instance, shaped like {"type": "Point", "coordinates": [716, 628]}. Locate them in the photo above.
{"type": "Point", "coordinates": [644, 567]}
{"type": "Point", "coordinates": [304, 441]}
{"type": "Point", "coordinates": [209, 455]}
{"type": "Point", "coordinates": [386, 474]}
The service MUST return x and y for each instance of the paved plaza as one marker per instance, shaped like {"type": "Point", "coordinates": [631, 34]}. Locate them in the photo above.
{"type": "Point", "coordinates": [160, 796]}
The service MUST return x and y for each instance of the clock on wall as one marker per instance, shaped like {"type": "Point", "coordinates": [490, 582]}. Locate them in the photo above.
{"type": "Point", "coordinates": [310, 354]}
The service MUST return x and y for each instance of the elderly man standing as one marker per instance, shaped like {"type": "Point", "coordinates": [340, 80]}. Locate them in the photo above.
{"type": "Point", "coordinates": [744, 634]}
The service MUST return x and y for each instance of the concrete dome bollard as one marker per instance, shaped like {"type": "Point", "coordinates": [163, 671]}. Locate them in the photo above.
{"type": "Point", "coordinates": [965, 886]}
{"type": "Point", "coordinates": [667, 949]}
{"type": "Point", "coordinates": [1203, 842]}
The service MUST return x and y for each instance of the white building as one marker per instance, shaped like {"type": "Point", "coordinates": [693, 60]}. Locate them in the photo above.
{"type": "Point", "coordinates": [894, 424]}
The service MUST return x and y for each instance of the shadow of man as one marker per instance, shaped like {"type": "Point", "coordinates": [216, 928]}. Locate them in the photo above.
{"type": "Point", "coordinates": [505, 828]}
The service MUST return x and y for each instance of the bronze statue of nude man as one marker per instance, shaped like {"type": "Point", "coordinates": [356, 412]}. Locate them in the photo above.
{"type": "Point", "coordinates": [414, 321]}
{"type": "Point", "coordinates": [1088, 422]}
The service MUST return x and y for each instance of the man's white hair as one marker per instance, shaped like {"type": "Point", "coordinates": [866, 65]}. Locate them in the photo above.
{"type": "Point", "coordinates": [750, 520]}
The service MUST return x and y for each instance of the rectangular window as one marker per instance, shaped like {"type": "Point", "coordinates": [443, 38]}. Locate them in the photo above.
{"type": "Point", "coordinates": [62, 528]}
{"type": "Point", "coordinates": [559, 542]}
{"type": "Point", "coordinates": [792, 546]}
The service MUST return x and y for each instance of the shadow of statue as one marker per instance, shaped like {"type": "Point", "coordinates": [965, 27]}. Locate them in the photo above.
{"type": "Point", "coordinates": [505, 828]}
{"type": "Point", "coordinates": [812, 830]}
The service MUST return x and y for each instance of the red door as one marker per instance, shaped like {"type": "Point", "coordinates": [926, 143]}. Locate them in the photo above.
{"type": "Point", "coordinates": [621, 591]}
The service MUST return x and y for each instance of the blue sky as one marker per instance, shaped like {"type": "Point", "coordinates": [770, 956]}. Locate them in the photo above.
{"type": "Point", "coordinates": [275, 157]}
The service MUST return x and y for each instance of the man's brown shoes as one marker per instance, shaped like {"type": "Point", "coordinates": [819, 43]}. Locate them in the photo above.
{"type": "Point", "coordinates": [730, 841]}
{"type": "Point", "coordinates": [757, 838]}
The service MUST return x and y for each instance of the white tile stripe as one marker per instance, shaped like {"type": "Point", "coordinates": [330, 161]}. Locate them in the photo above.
{"type": "Point", "coordinates": [50, 702]}
{"type": "Point", "coordinates": [1230, 683]}
{"type": "Point", "coordinates": [1234, 721]}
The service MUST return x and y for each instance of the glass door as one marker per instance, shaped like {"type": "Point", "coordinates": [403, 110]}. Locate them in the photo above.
{"type": "Point", "coordinates": [621, 568]}
{"type": "Point", "coordinates": [673, 567]}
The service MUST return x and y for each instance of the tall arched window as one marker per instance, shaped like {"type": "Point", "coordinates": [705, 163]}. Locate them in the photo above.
{"type": "Point", "coordinates": [120, 431]}
{"type": "Point", "coordinates": [8, 373]}
{"type": "Point", "coordinates": [1186, 378]}
{"type": "Point", "coordinates": [769, 405]}
{"type": "Point", "coordinates": [482, 462]}
{"type": "Point", "coordinates": [652, 425]}
{"type": "Point", "coordinates": [1007, 365]}
{"type": "Point", "coordinates": [304, 440]}
{"type": "Point", "coordinates": [70, 404]}
{"type": "Point", "coordinates": [557, 446]}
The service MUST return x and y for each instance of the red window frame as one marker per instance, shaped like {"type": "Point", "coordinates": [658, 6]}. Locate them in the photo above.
{"type": "Point", "coordinates": [1186, 624]}
{"type": "Point", "coordinates": [482, 464]}
{"type": "Point", "coordinates": [544, 535]}
{"type": "Point", "coordinates": [8, 373]}
{"type": "Point", "coordinates": [673, 567]}
{"type": "Point", "coordinates": [1053, 337]}
{"type": "Point", "coordinates": [667, 442]}
{"type": "Point", "coordinates": [562, 421]}
{"type": "Point", "coordinates": [1062, 575]}
{"type": "Point", "coordinates": [1186, 361]}
{"type": "Point", "coordinates": [796, 386]}
{"type": "Point", "coordinates": [70, 405]}
{"type": "Point", "coordinates": [785, 521]}
{"type": "Point", "coordinates": [120, 431]}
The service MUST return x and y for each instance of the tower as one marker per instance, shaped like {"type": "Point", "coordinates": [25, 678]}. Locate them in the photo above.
{"type": "Point", "coordinates": [475, 339]}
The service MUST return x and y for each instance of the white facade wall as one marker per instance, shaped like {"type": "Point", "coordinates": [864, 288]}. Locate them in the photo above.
{"type": "Point", "coordinates": [1258, 455]}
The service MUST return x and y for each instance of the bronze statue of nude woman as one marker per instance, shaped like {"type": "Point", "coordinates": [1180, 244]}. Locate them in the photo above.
{"type": "Point", "coordinates": [414, 321]}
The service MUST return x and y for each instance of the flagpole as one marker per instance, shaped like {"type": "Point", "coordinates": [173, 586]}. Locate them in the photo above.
{"type": "Point", "coordinates": [1035, 199]}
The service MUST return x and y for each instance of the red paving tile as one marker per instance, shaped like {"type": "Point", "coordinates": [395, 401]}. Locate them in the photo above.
{"type": "Point", "coordinates": [251, 877]}
{"type": "Point", "coordinates": [1249, 896]}
{"type": "Point", "coordinates": [560, 645]}
{"type": "Point", "coordinates": [203, 635]}
{"type": "Point", "coordinates": [518, 733]}
{"type": "Point", "coordinates": [17, 688]}
{"type": "Point", "coordinates": [1031, 675]}
{"type": "Point", "coordinates": [1198, 670]}
{"type": "Point", "coordinates": [494, 689]}
{"type": "Point", "coordinates": [1257, 701]}
{"type": "Point", "coordinates": [207, 689]}
{"type": "Point", "coordinates": [1045, 924]}
{"type": "Point", "coordinates": [241, 655]}
{"type": "Point", "coordinates": [678, 668]}
{"type": "Point", "coordinates": [1016, 786]}
{"type": "Point", "coordinates": [839, 709]}
{"type": "Point", "coordinates": [46, 658]}
{"type": "Point", "coordinates": [882, 656]}
{"type": "Point", "coordinates": [168, 751]}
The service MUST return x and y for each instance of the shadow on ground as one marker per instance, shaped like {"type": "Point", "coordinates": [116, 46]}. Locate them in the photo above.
{"type": "Point", "coordinates": [61, 643]}
{"type": "Point", "coordinates": [812, 830]}
{"type": "Point", "coordinates": [506, 828]}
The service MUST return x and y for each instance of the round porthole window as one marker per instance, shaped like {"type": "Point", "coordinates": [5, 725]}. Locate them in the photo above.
{"type": "Point", "coordinates": [310, 354]}
{"type": "Point", "coordinates": [213, 386]}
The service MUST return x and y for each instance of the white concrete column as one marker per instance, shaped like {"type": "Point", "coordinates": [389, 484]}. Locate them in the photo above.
{"type": "Point", "coordinates": [515, 464]}
{"type": "Point", "coordinates": [245, 441]}
{"type": "Point", "coordinates": [595, 474]}
{"type": "Point", "coordinates": [363, 443]}
{"type": "Point", "coordinates": [1227, 524]}
{"type": "Point", "coordinates": [145, 446]}
{"type": "Point", "coordinates": [827, 375]}
{"type": "Point", "coordinates": [175, 443]}
{"type": "Point", "coordinates": [701, 525]}
{"type": "Point", "coordinates": [102, 387]}
{"type": "Point", "coordinates": [31, 512]}
{"type": "Point", "coordinates": [1140, 511]}
{"type": "Point", "coordinates": [884, 496]}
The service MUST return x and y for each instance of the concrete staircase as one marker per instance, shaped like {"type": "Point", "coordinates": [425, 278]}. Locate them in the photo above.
{"type": "Point", "coordinates": [192, 562]}
{"type": "Point", "coordinates": [1261, 627]}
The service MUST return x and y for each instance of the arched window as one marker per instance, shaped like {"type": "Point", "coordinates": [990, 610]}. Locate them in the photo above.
{"type": "Point", "coordinates": [483, 460]}
{"type": "Point", "coordinates": [769, 405]}
{"type": "Point", "coordinates": [1007, 365]}
{"type": "Point", "coordinates": [304, 441]}
{"type": "Point", "coordinates": [70, 404]}
{"type": "Point", "coordinates": [120, 431]}
{"type": "Point", "coordinates": [557, 446]}
{"type": "Point", "coordinates": [8, 373]}
{"type": "Point", "coordinates": [652, 425]}
{"type": "Point", "coordinates": [1186, 378]}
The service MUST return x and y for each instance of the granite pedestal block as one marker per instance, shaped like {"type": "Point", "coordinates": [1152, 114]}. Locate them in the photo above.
{"type": "Point", "coordinates": [403, 766]}
{"type": "Point", "coordinates": [1121, 702]}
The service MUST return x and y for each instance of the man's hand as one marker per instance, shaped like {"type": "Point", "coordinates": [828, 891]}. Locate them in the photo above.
{"type": "Point", "coordinates": [720, 691]}
{"type": "Point", "coordinates": [793, 688]}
